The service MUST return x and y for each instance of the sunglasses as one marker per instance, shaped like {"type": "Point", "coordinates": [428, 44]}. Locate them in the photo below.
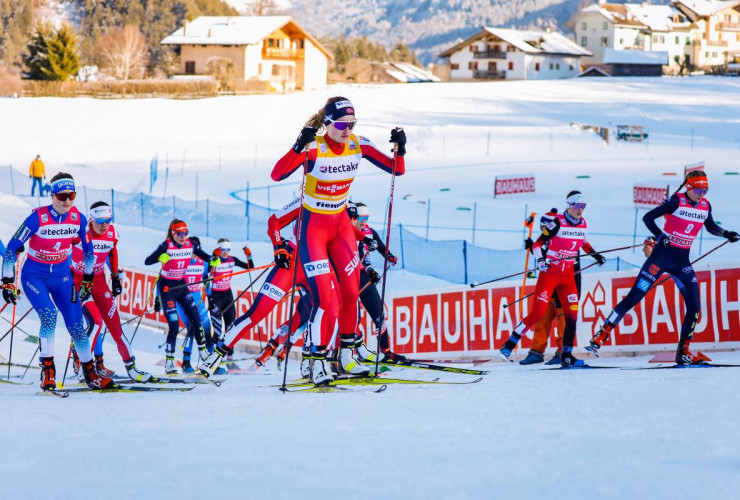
{"type": "Point", "coordinates": [700, 192]}
{"type": "Point", "coordinates": [104, 221]}
{"type": "Point", "coordinates": [363, 218]}
{"type": "Point", "coordinates": [66, 196]}
{"type": "Point", "coordinates": [579, 206]}
{"type": "Point", "coordinates": [182, 234]}
{"type": "Point", "coordinates": [225, 249]}
{"type": "Point", "coordinates": [343, 125]}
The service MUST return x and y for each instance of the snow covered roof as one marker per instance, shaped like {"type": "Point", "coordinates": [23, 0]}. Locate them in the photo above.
{"type": "Point", "coordinates": [655, 17]}
{"type": "Point", "coordinates": [705, 8]}
{"type": "Point", "coordinates": [408, 73]}
{"type": "Point", "coordinates": [639, 57]}
{"type": "Point", "coordinates": [530, 41]}
{"type": "Point", "coordinates": [234, 30]}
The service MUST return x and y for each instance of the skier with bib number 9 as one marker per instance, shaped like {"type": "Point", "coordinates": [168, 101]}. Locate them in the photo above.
{"type": "Point", "coordinates": [685, 215]}
{"type": "Point", "coordinates": [563, 237]}
{"type": "Point", "coordinates": [332, 162]}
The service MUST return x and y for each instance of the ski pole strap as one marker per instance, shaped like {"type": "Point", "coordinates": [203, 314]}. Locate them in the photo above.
{"type": "Point", "coordinates": [258, 268]}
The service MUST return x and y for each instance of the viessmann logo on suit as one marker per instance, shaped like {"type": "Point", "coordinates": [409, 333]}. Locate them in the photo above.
{"type": "Point", "coordinates": [337, 188]}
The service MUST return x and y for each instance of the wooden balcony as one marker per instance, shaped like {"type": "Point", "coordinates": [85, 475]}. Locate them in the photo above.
{"type": "Point", "coordinates": [489, 75]}
{"type": "Point", "coordinates": [728, 26]}
{"type": "Point", "coordinates": [489, 54]}
{"type": "Point", "coordinates": [286, 54]}
{"type": "Point", "coordinates": [710, 43]}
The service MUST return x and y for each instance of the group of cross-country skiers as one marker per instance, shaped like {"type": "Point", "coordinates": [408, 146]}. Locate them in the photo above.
{"type": "Point", "coordinates": [326, 261]}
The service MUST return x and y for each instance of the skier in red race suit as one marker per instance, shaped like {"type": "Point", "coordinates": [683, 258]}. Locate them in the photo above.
{"type": "Point", "coordinates": [333, 160]}
{"type": "Point", "coordinates": [102, 307]}
{"type": "Point", "coordinates": [685, 214]}
{"type": "Point", "coordinates": [276, 285]}
{"type": "Point", "coordinates": [565, 236]}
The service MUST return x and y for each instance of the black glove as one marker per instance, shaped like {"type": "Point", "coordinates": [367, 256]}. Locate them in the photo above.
{"type": "Point", "coordinates": [731, 235]}
{"type": "Point", "coordinates": [663, 241]}
{"type": "Point", "coordinates": [398, 136]}
{"type": "Point", "coordinates": [528, 243]}
{"type": "Point", "coordinates": [281, 255]}
{"type": "Point", "coordinates": [370, 243]}
{"type": "Point", "coordinates": [86, 287]}
{"type": "Point", "coordinates": [373, 275]}
{"type": "Point", "coordinates": [21, 249]}
{"type": "Point", "coordinates": [599, 258]}
{"type": "Point", "coordinates": [116, 288]}
{"type": "Point", "coordinates": [307, 136]}
{"type": "Point", "coordinates": [211, 303]}
{"type": "Point", "coordinates": [10, 294]}
{"type": "Point", "coordinates": [157, 304]}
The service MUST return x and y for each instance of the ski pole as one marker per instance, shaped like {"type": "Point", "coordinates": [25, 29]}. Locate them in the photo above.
{"type": "Point", "coordinates": [530, 294]}
{"type": "Point", "coordinates": [299, 230]}
{"type": "Point", "coordinates": [30, 361]}
{"type": "Point", "coordinates": [259, 338]}
{"type": "Point", "coordinates": [3, 308]}
{"type": "Point", "coordinates": [473, 285]}
{"type": "Point", "coordinates": [16, 324]}
{"type": "Point", "coordinates": [12, 325]}
{"type": "Point", "coordinates": [66, 366]}
{"type": "Point", "coordinates": [528, 223]}
{"type": "Point", "coordinates": [258, 268]}
{"type": "Point", "coordinates": [141, 316]}
{"type": "Point", "coordinates": [368, 284]}
{"type": "Point", "coordinates": [387, 247]}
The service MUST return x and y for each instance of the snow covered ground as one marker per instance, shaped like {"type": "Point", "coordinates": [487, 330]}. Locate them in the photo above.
{"type": "Point", "coordinates": [518, 433]}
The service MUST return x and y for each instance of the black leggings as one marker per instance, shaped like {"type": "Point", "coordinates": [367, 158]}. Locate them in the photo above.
{"type": "Point", "coordinates": [370, 299]}
{"type": "Point", "coordinates": [674, 261]}
{"type": "Point", "coordinates": [170, 297]}
{"type": "Point", "coordinates": [222, 311]}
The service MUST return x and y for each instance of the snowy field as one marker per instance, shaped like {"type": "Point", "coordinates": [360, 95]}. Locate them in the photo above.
{"type": "Point", "coordinates": [520, 433]}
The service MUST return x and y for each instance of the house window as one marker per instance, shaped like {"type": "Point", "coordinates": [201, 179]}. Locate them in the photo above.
{"type": "Point", "coordinates": [510, 48]}
{"type": "Point", "coordinates": [492, 66]}
{"type": "Point", "coordinates": [584, 26]}
{"type": "Point", "coordinates": [190, 67]}
{"type": "Point", "coordinates": [511, 66]}
{"type": "Point", "coordinates": [536, 66]}
{"type": "Point", "coordinates": [557, 66]}
{"type": "Point", "coordinates": [621, 41]}
{"type": "Point", "coordinates": [454, 66]}
{"type": "Point", "coordinates": [678, 40]}
{"type": "Point", "coordinates": [571, 67]}
{"type": "Point", "coordinates": [605, 25]}
{"type": "Point", "coordinates": [604, 41]}
{"type": "Point", "coordinates": [375, 77]}
{"type": "Point", "coordinates": [655, 38]}
{"type": "Point", "coordinates": [662, 38]}
{"type": "Point", "coordinates": [270, 42]}
{"type": "Point", "coordinates": [551, 66]}
{"type": "Point", "coordinates": [472, 47]}
{"type": "Point", "coordinates": [584, 41]}
{"type": "Point", "coordinates": [706, 54]}
{"type": "Point", "coordinates": [737, 38]}
{"type": "Point", "coordinates": [473, 65]}
{"type": "Point", "coordinates": [497, 48]}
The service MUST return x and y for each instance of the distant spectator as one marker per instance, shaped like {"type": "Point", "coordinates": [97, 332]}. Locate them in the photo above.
{"type": "Point", "coordinates": [37, 172]}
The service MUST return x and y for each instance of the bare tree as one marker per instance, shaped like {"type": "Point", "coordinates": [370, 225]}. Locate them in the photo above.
{"type": "Point", "coordinates": [265, 8]}
{"type": "Point", "coordinates": [123, 52]}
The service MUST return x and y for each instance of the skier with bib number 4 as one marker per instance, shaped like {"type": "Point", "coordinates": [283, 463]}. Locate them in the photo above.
{"type": "Point", "coordinates": [564, 237]}
{"type": "Point", "coordinates": [685, 215]}
{"type": "Point", "coordinates": [47, 279]}
{"type": "Point", "coordinates": [332, 162]}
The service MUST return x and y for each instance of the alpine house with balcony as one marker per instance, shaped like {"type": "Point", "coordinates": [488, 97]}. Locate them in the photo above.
{"type": "Point", "coordinates": [508, 54]}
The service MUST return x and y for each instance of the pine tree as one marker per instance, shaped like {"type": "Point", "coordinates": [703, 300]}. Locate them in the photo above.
{"type": "Point", "coordinates": [36, 56]}
{"type": "Point", "coordinates": [63, 61]}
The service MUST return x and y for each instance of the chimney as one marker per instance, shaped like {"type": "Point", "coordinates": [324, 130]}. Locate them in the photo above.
{"type": "Point", "coordinates": [210, 32]}
{"type": "Point", "coordinates": [185, 28]}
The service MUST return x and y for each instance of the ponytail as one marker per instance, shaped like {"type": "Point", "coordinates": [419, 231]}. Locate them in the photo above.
{"type": "Point", "coordinates": [317, 120]}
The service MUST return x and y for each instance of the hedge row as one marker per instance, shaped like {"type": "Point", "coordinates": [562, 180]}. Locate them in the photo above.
{"type": "Point", "coordinates": [182, 89]}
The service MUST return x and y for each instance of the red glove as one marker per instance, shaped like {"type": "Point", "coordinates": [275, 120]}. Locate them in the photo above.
{"type": "Point", "coordinates": [392, 259]}
{"type": "Point", "coordinates": [247, 252]}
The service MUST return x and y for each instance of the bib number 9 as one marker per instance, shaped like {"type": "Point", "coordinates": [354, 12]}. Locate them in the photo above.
{"type": "Point", "coordinates": [689, 228]}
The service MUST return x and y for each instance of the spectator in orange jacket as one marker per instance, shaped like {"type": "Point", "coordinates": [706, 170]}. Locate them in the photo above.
{"type": "Point", "coordinates": [37, 172]}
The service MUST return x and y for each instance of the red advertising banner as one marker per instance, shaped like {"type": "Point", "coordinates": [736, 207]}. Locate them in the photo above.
{"type": "Point", "coordinates": [649, 195]}
{"type": "Point", "coordinates": [513, 184]}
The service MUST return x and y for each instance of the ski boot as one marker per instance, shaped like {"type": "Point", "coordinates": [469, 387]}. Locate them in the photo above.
{"type": "Point", "coordinates": [306, 359]}
{"type": "Point", "coordinates": [533, 358]}
{"type": "Point", "coordinates": [76, 363]}
{"type": "Point", "coordinates": [685, 357]}
{"type": "Point", "coordinates": [599, 339]}
{"type": "Point", "coordinates": [366, 355]}
{"type": "Point", "coordinates": [509, 346]}
{"type": "Point", "coordinates": [555, 359]}
{"type": "Point", "coordinates": [134, 373]}
{"type": "Point", "coordinates": [93, 379]}
{"type": "Point", "coordinates": [392, 357]}
{"type": "Point", "coordinates": [186, 366]}
{"type": "Point", "coordinates": [567, 360]}
{"type": "Point", "coordinates": [230, 364]}
{"type": "Point", "coordinates": [48, 374]}
{"type": "Point", "coordinates": [347, 361]}
{"type": "Point", "coordinates": [169, 363]}
{"type": "Point", "coordinates": [209, 366]}
{"type": "Point", "coordinates": [320, 370]}
{"type": "Point", "coordinates": [266, 354]}
{"type": "Point", "coordinates": [282, 353]}
{"type": "Point", "coordinates": [100, 367]}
